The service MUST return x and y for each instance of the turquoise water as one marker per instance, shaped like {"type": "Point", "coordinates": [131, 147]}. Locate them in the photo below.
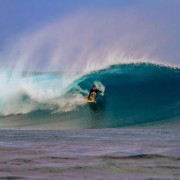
{"type": "Point", "coordinates": [135, 94]}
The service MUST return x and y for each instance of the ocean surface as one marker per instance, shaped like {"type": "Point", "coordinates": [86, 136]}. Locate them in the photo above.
{"type": "Point", "coordinates": [103, 154]}
{"type": "Point", "coordinates": [49, 131]}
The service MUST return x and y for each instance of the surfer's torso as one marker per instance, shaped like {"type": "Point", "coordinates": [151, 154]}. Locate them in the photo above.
{"type": "Point", "coordinates": [93, 93]}
{"type": "Point", "coordinates": [94, 90]}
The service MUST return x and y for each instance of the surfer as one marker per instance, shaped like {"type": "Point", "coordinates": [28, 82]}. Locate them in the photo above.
{"type": "Point", "coordinates": [93, 93]}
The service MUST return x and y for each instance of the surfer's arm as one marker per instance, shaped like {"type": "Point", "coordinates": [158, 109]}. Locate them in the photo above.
{"type": "Point", "coordinates": [99, 91]}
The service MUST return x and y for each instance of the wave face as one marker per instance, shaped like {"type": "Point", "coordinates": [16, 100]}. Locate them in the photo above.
{"type": "Point", "coordinates": [134, 94]}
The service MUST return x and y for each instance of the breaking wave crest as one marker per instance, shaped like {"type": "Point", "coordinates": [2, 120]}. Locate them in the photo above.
{"type": "Point", "coordinates": [134, 94]}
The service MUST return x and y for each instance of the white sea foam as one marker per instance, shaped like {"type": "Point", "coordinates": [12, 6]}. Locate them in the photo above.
{"type": "Point", "coordinates": [23, 94]}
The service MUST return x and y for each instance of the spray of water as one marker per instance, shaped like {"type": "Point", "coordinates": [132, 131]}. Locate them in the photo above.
{"type": "Point", "coordinates": [88, 41]}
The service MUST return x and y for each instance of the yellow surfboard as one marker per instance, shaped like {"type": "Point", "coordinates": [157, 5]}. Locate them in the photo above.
{"type": "Point", "coordinates": [90, 101]}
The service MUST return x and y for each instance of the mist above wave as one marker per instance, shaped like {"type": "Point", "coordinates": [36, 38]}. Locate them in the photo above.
{"type": "Point", "coordinates": [86, 41]}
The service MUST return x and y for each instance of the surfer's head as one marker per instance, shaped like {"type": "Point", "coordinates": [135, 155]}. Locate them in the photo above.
{"type": "Point", "coordinates": [94, 87]}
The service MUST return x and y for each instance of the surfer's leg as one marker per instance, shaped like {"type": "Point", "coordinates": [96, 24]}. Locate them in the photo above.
{"type": "Point", "coordinates": [93, 95]}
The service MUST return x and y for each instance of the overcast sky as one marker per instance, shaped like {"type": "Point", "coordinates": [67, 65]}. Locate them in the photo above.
{"type": "Point", "coordinates": [107, 28]}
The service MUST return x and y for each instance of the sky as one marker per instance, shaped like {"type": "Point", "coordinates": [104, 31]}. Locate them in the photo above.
{"type": "Point", "coordinates": [18, 16]}
{"type": "Point", "coordinates": [53, 35]}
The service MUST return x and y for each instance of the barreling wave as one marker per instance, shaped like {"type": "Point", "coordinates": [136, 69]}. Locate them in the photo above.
{"type": "Point", "coordinates": [134, 94]}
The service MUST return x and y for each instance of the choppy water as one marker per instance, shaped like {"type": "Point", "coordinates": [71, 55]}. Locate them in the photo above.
{"type": "Point", "coordinates": [131, 153]}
